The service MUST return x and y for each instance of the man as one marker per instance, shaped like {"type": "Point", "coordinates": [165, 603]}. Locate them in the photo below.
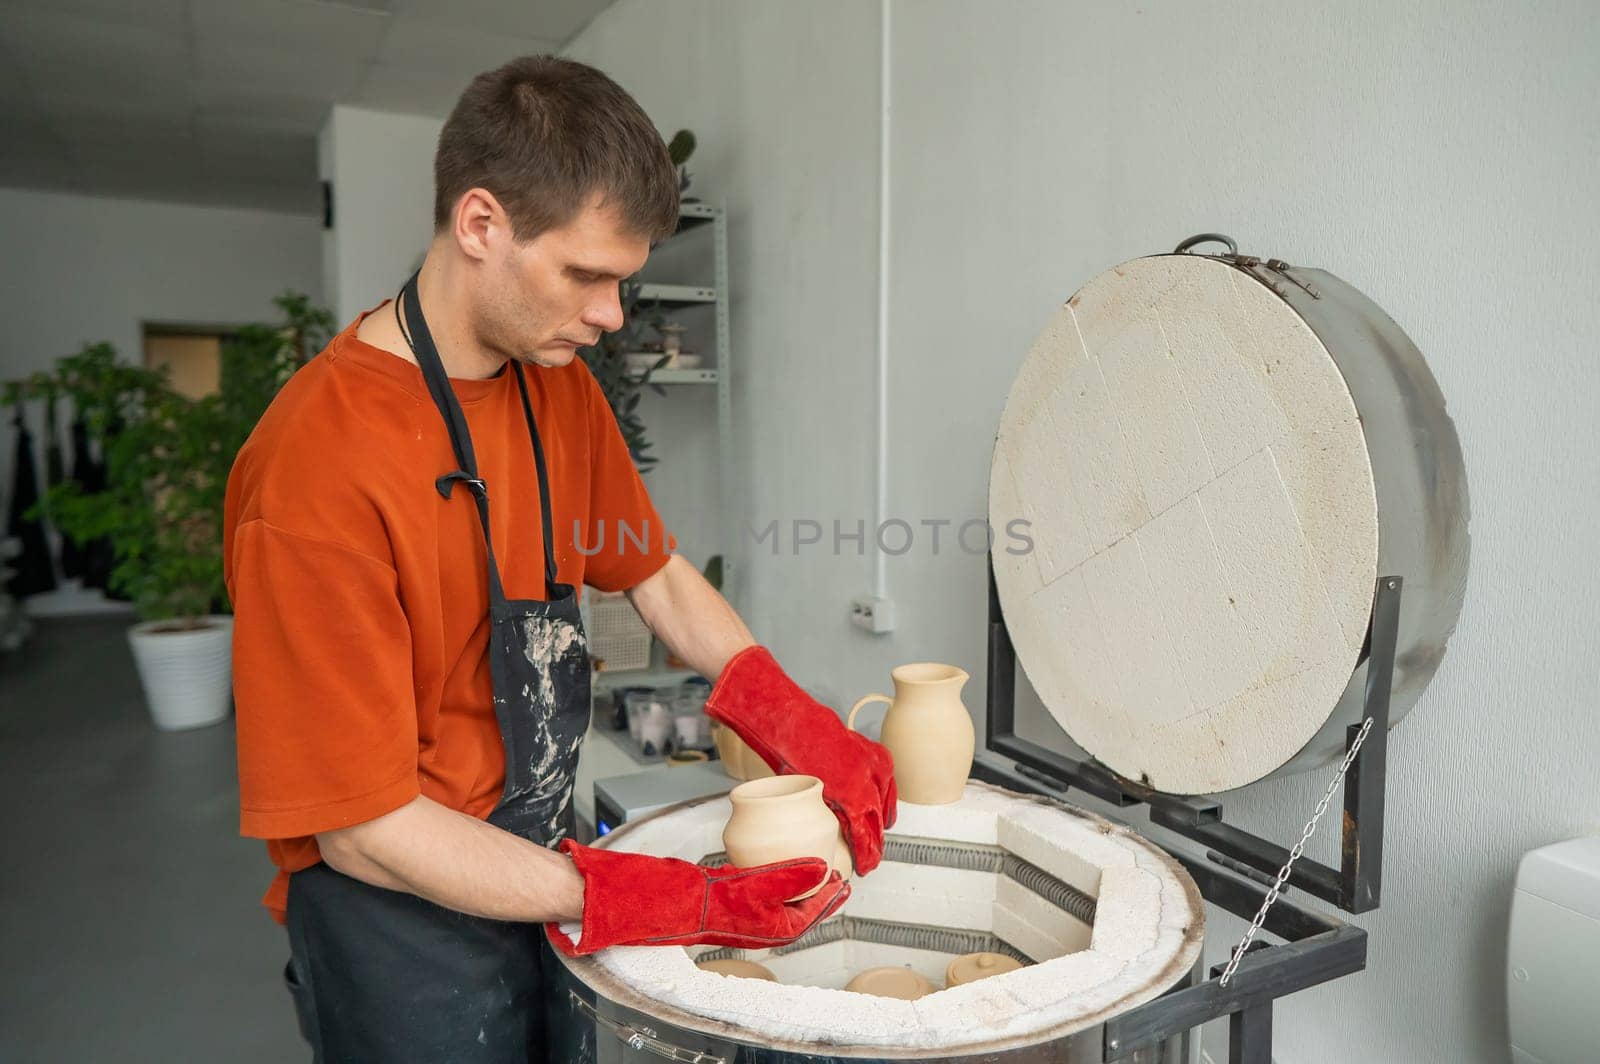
{"type": "Point", "coordinates": [402, 553]}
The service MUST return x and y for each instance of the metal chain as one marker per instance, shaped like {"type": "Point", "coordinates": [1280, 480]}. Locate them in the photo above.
{"type": "Point", "coordinates": [1294, 854]}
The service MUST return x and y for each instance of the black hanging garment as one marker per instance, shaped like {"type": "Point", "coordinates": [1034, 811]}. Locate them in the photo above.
{"type": "Point", "coordinates": [55, 469]}
{"type": "Point", "coordinates": [35, 570]}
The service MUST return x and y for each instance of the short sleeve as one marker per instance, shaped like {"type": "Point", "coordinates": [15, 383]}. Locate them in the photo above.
{"type": "Point", "coordinates": [626, 540]}
{"type": "Point", "coordinates": [327, 723]}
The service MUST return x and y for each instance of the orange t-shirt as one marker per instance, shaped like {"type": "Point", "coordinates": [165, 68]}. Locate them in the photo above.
{"type": "Point", "coordinates": [360, 647]}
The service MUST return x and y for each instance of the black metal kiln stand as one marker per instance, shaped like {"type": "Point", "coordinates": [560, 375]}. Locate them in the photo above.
{"type": "Point", "coordinates": [1238, 867]}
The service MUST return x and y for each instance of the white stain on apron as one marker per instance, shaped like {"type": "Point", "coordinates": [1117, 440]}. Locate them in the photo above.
{"type": "Point", "coordinates": [545, 642]}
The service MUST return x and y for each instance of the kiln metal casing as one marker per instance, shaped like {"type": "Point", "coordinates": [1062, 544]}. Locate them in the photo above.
{"type": "Point", "coordinates": [1417, 473]}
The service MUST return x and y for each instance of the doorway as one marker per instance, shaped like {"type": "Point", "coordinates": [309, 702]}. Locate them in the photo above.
{"type": "Point", "coordinates": [191, 354]}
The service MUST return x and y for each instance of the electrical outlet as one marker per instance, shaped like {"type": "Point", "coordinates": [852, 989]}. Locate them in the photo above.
{"type": "Point", "coordinates": [872, 613]}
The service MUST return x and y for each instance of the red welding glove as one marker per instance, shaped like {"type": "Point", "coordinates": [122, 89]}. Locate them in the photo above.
{"type": "Point", "coordinates": [632, 899]}
{"type": "Point", "coordinates": [795, 734]}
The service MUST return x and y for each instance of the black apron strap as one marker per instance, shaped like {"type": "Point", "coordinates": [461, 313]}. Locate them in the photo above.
{"type": "Point", "coordinates": [550, 589]}
{"type": "Point", "coordinates": [420, 340]}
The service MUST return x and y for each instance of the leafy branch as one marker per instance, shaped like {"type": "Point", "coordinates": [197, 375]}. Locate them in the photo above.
{"type": "Point", "coordinates": [167, 457]}
{"type": "Point", "coordinates": [607, 360]}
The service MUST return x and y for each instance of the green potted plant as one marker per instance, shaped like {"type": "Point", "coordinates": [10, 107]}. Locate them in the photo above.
{"type": "Point", "coordinates": [167, 459]}
{"type": "Point", "coordinates": [679, 149]}
{"type": "Point", "coordinates": [608, 361]}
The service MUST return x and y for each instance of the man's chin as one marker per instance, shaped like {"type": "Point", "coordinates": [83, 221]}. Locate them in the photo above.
{"type": "Point", "coordinates": [550, 357]}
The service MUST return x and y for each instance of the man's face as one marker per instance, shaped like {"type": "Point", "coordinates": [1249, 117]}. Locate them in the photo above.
{"type": "Point", "coordinates": [558, 292]}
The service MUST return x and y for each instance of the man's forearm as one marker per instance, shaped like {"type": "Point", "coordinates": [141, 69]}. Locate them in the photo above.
{"type": "Point", "coordinates": [457, 861]}
{"type": "Point", "coordinates": [690, 617]}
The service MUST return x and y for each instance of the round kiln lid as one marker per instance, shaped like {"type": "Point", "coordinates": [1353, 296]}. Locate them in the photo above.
{"type": "Point", "coordinates": [1204, 524]}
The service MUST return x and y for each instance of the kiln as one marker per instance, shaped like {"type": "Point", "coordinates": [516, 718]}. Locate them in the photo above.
{"type": "Point", "coordinates": [1231, 468]}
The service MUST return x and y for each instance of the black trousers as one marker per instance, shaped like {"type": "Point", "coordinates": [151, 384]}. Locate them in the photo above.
{"type": "Point", "coordinates": [383, 976]}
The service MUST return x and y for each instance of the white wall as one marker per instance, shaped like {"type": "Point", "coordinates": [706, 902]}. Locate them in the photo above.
{"type": "Point", "coordinates": [381, 166]}
{"type": "Point", "coordinates": [80, 269]}
{"type": "Point", "coordinates": [1440, 157]}
{"type": "Point", "coordinates": [781, 101]}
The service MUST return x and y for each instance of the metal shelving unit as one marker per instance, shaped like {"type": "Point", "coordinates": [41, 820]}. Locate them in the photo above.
{"type": "Point", "coordinates": [676, 295]}
{"type": "Point", "coordinates": [694, 217]}
{"type": "Point", "coordinates": [685, 376]}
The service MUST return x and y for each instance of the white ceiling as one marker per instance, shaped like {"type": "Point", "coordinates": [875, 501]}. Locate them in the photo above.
{"type": "Point", "coordinates": [219, 101]}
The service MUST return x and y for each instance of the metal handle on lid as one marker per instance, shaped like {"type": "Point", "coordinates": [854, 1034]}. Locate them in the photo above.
{"type": "Point", "coordinates": [643, 1038]}
{"type": "Point", "coordinates": [1272, 272]}
{"type": "Point", "coordinates": [1206, 238]}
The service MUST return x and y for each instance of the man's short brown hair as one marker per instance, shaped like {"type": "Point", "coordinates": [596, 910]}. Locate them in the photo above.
{"type": "Point", "coordinates": [543, 134]}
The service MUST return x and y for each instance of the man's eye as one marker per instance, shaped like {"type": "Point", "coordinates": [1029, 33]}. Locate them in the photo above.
{"type": "Point", "coordinates": [583, 277]}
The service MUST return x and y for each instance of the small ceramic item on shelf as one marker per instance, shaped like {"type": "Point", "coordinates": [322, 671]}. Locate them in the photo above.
{"type": "Point", "coordinates": [778, 819]}
{"type": "Point", "coordinates": [971, 967]}
{"type": "Point", "coordinates": [894, 982]}
{"type": "Point", "coordinates": [688, 360]}
{"type": "Point", "coordinates": [928, 732]}
{"type": "Point", "coordinates": [742, 969]}
{"type": "Point", "coordinates": [738, 760]}
{"type": "Point", "coordinates": [639, 361]}
{"type": "Point", "coordinates": [679, 758]}
{"type": "Point", "coordinates": [672, 338]}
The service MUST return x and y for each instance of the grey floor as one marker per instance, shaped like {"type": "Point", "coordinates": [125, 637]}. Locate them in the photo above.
{"type": "Point", "coordinates": [129, 917]}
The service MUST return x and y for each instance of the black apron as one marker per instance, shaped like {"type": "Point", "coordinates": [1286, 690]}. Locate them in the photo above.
{"type": "Point", "coordinates": [382, 975]}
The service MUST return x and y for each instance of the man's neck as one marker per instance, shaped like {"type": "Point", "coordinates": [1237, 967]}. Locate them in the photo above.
{"type": "Point", "coordinates": [444, 306]}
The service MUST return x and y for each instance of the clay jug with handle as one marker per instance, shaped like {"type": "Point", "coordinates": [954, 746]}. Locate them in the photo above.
{"type": "Point", "coordinates": [928, 732]}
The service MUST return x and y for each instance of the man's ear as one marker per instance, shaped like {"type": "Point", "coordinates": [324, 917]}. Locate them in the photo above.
{"type": "Point", "coordinates": [480, 223]}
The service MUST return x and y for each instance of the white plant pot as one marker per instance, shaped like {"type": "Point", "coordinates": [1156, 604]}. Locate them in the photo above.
{"type": "Point", "coordinates": [187, 675]}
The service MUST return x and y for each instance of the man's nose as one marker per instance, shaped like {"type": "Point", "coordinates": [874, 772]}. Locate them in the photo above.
{"type": "Point", "coordinates": [605, 314]}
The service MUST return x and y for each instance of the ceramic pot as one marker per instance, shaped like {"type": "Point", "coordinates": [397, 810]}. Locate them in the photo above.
{"type": "Point", "coordinates": [778, 819]}
{"type": "Point", "coordinates": [742, 969]}
{"type": "Point", "coordinates": [187, 674]}
{"type": "Point", "coordinates": [894, 982]}
{"type": "Point", "coordinates": [928, 732]}
{"type": "Point", "coordinates": [738, 760]}
{"type": "Point", "coordinates": [971, 967]}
